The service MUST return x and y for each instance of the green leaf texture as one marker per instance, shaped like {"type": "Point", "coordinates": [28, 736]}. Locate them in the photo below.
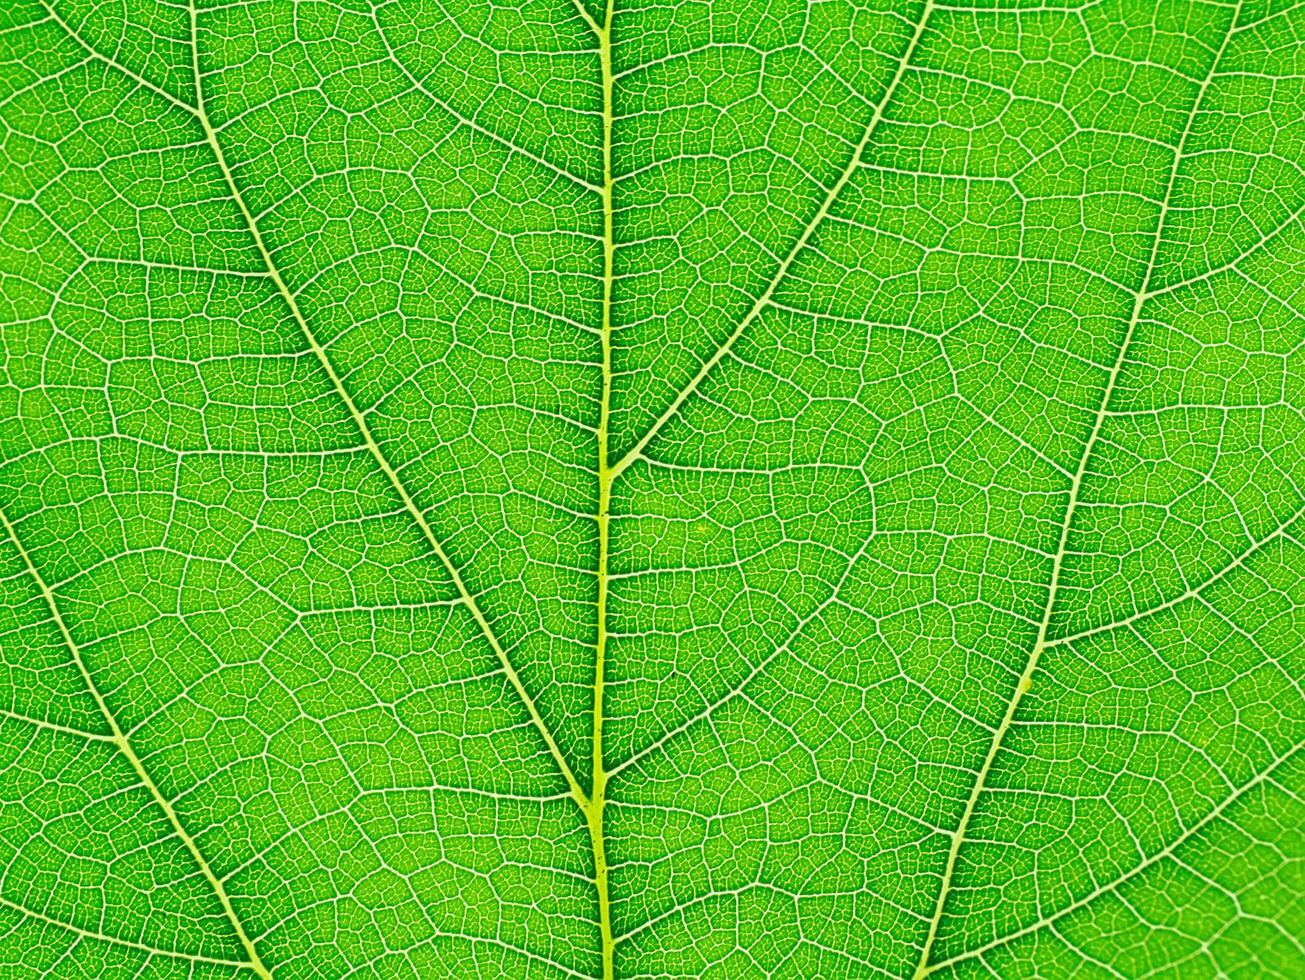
{"type": "Point", "coordinates": [685, 488]}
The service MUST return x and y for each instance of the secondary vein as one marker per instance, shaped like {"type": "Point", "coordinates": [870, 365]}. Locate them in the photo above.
{"type": "Point", "coordinates": [119, 738]}
{"type": "Point", "coordinates": [373, 447]}
{"type": "Point", "coordinates": [1114, 884]}
{"type": "Point", "coordinates": [1040, 644]}
{"type": "Point", "coordinates": [763, 300]}
{"type": "Point", "coordinates": [101, 937]}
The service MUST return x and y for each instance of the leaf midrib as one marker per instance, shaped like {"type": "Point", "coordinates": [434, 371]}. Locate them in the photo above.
{"type": "Point", "coordinates": [606, 476]}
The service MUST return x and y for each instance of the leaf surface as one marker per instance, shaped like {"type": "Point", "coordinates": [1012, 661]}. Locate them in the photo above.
{"type": "Point", "coordinates": [785, 489]}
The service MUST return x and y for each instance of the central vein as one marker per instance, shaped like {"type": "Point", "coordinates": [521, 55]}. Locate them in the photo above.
{"type": "Point", "coordinates": [598, 794]}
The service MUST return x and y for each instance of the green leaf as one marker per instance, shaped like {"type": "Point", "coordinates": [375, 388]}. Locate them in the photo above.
{"type": "Point", "coordinates": [695, 488]}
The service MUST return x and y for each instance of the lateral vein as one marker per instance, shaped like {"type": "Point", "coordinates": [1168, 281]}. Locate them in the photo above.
{"type": "Point", "coordinates": [373, 447]}
{"type": "Point", "coordinates": [1041, 643]}
{"type": "Point", "coordinates": [1238, 561]}
{"type": "Point", "coordinates": [106, 60]}
{"type": "Point", "coordinates": [117, 941]}
{"type": "Point", "coordinates": [1110, 886]}
{"type": "Point", "coordinates": [763, 300]}
{"type": "Point", "coordinates": [54, 726]}
{"type": "Point", "coordinates": [119, 738]}
{"type": "Point", "coordinates": [472, 124]}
